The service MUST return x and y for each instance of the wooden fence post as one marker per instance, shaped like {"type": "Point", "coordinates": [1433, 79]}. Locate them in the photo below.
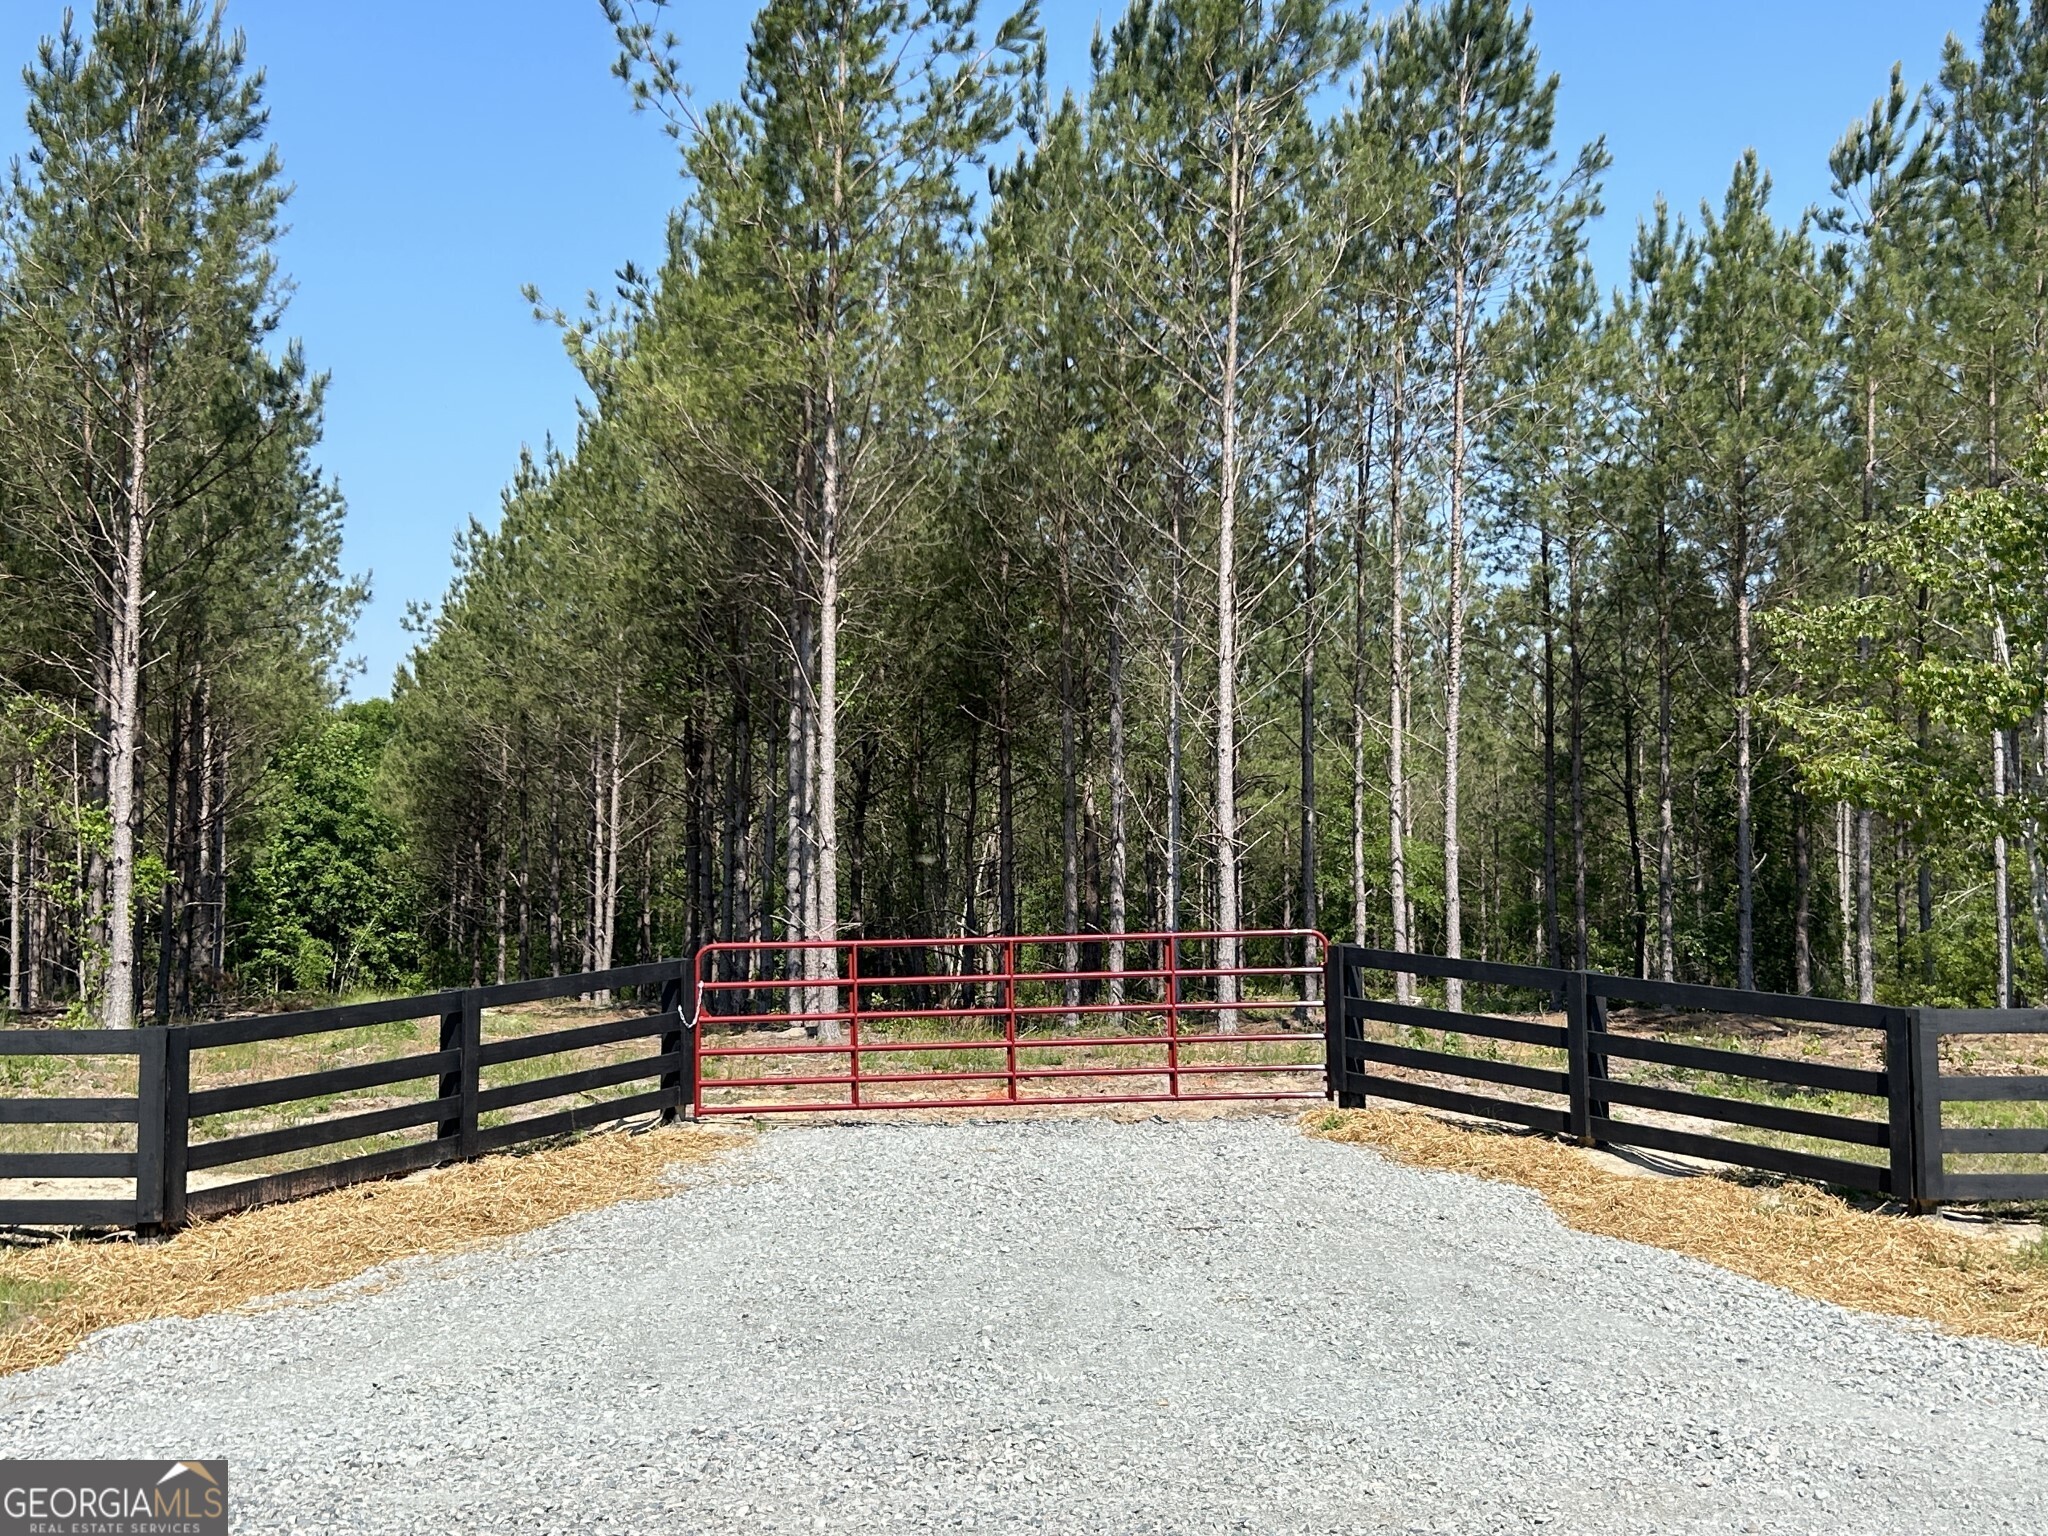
{"type": "Point", "coordinates": [1597, 1107]}
{"type": "Point", "coordinates": [177, 1122]}
{"type": "Point", "coordinates": [462, 1032]}
{"type": "Point", "coordinates": [1924, 1036]}
{"type": "Point", "coordinates": [679, 997]}
{"type": "Point", "coordinates": [1578, 1054]}
{"type": "Point", "coordinates": [1341, 982]}
{"type": "Point", "coordinates": [472, 1072]}
{"type": "Point", "coordinates": [149, 1128]}
{"type": "Point", "coordinates": [1333, 1025]}
{"type": "Point", "coordinates": [1902, 1124]}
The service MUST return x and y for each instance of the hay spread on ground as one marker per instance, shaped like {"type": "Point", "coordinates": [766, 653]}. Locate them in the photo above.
{"type": "Point", "coordinates": [74, 1289]}
{"type": "Point", "coordinates": [1787, 1234]}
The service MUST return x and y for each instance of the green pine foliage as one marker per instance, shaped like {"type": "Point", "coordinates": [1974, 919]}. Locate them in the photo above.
{"type": "Point", "coordinates": [1221, 497]}
{"type": "Point", "coordinates": [1249, 509]}
{"type": "Point", "coordinates": [171, 603]}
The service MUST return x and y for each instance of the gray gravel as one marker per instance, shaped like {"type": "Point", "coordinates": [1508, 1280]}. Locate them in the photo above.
{"type": "Point", "coordinates": [1070, 1326]}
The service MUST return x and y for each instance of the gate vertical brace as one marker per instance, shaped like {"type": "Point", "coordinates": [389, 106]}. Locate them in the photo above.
{"type": "Point", "coordinates": [1173, 1015]}
{"type": "Point", "coordinates": [1010, 1012]}
{"type": "Point", "coordinates": [852, 1021]}
{"type": "Point", "coordinates": [1333, 1025]}
{"type": "Point", "coordinates": [450, 1085]}
{"type": "Point", "coordinates": [1578, 1059]}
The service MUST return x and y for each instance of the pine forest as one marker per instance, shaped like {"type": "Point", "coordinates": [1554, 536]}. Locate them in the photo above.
{"type": "Point", "coordinates": [1219, 496]}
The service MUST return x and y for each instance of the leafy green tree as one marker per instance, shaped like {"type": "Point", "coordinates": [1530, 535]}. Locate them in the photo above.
{"type": "Point", "coordinates": [326, 905]}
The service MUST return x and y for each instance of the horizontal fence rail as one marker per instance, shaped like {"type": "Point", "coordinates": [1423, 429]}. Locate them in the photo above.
{"type": "Point", "coordinates": [1043, 1019]}
{"type": "Point", "coordinates": [454, 1101]}
{"type": "Point", "coordinates": [1550, 1060]}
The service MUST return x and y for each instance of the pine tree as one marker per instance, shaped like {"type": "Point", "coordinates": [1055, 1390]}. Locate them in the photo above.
{"type": "Point", "coordinates": [1751, 360]}
{"type": "Point", "coordinates": [1486, 114]}
{"type": "Point", "coordinates": [152, 438]}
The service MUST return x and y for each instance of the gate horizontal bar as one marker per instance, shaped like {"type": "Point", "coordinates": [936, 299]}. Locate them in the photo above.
{"type": "Point", "coordinates": [1021, 940]}
{"type": "Point", "coordinates": [1022, 1010]}
{"type": "Point", "coordinates": [1004, 1042]}
{"type": "Point", "coordinates": [1033, 1101]}
{"type": "Point", "coordinates": [967, 1074]}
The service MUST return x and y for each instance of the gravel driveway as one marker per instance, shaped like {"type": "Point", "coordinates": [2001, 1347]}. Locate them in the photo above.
{"type": "Point", "coordinates": [1067, 1326]}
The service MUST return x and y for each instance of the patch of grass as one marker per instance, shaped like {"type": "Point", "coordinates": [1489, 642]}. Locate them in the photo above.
{"type": "Point", "coordinates": [20, 1300]}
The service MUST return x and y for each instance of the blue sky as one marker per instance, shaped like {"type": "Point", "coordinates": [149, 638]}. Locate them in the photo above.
{"type": "Point", "coordinates": [447, 153]}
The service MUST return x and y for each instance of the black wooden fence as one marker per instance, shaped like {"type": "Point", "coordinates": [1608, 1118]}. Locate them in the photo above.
{"type": "Point", "coordinates": [1575, 1089]}
{"type": "Point", "coordinates": [165, 1105]}
{"type": "Point", "coordinates": [1896, 1143]}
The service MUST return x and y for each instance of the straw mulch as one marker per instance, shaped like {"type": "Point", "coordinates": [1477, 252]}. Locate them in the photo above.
{"type": "Point", "coordinates": [1791, 1235]}
{"type": "Point", "coordinates": [82, 1287]}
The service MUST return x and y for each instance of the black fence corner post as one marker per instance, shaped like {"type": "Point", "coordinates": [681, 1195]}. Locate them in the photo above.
{"type": "Point", "coordinates": [1333, 1023]}
{"type": "Point", "coordinates": [1341, 983]}
{"type": "Point", "coordinates": [679, 1006]}
{"type": "Point", "coordinates": [1578, 1050]}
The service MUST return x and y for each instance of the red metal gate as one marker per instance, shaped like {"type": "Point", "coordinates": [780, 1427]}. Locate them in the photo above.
{"type": "Point", "coordinates": [1131, 1018]}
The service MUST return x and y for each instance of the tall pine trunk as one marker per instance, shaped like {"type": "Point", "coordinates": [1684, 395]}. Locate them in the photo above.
{"type": "Point", "coordinates": [1581, 943]}
{"type": "Point", "coordinates": [1454, 638]}
{"type": "Point", "coordinates": [1227, 917]}
{"type": "Point", "coordinates": [124, 722]}
{"type": "Point", "coordinates": [1553, 929]}
{"type": "Point", "coordinates": [17, 848]}
{"type": "Point", "coordinates": [825, 819]}
{"type": "Point", "coordinates": [1310, 918]}
{"type": "Point", "coordinates": [1176, 709]}
{"type": "Point", "coordinates": [2001, 870]}
{"type": "Point", "coordinates": [1802, 900]}
{"type": "Point", "coordinates": [1360, 538]}
{"type": "Point", "coordinates": [1070, 805]}
{"type": "Point", "coordinates": [1119, 839]}
{"type": "Point", "coordinates": [1397, 686]}
{"type": "Point", "coordinates": [1006, 804]}
{"type": "Point", "coordinates": [1845, 891]}
{"type": "Point", "coordinates": [1667, 830]}
{"type": "Point", "coordinates": [1745, 859]}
